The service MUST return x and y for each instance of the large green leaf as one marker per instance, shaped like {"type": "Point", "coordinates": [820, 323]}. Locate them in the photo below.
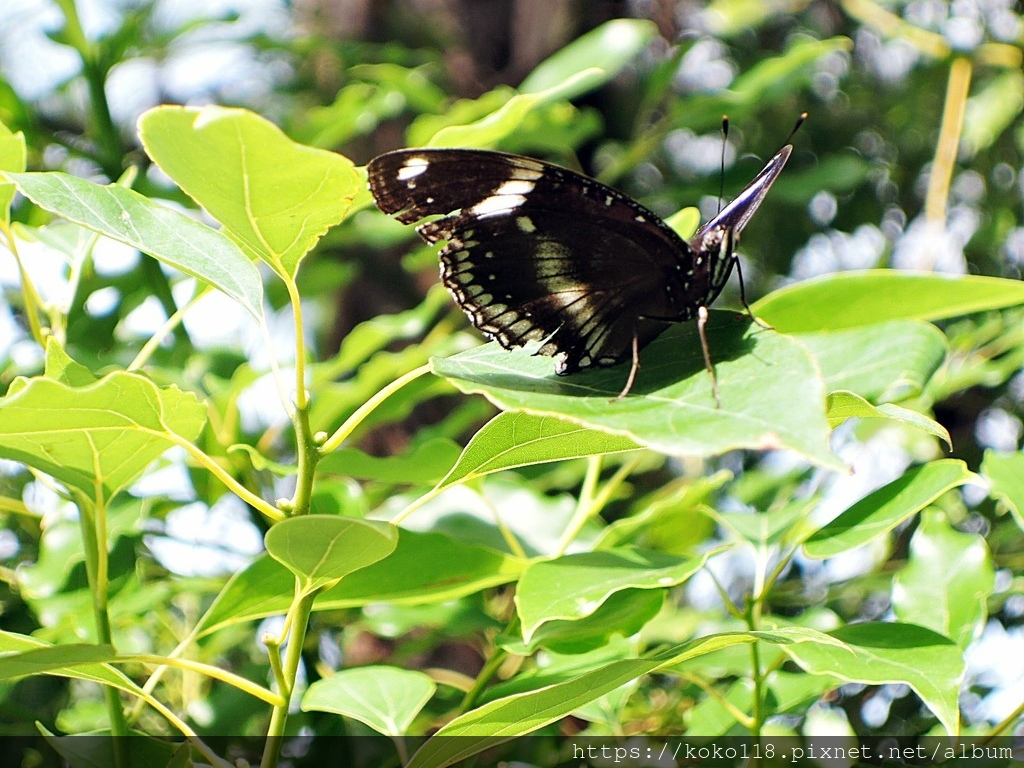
{"type": "Point", "coordinates": [881, 511]}
{"type": "Point", "coordinates": [322, 549]}
{"type": "Point", "coordinates": [385, 698]}
{"type": "Point", "coordinates": [855, 361]}
{"type": "Point", "coordinates": [877, 653]}
{"type": "Point", "coordinates": [771, 393]}
{"type": "Point", "coordinates": [574, 586]}
{"type": "Point", "coordinates": [97, 438]}
{"type": "Point", "coordinates": [852, 299]}
{"type": "Point", "coordinates": [275, 197]}
{"type": "Point", "coordinates": [165, 234]}
{"type": "Point", "coordinates": [946, 582]}
{"type": "Point", "coordinates": [424, 568]}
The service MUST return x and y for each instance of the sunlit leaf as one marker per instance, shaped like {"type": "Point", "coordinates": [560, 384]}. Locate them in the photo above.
{"type": "Point", "coordinates": [385, 698]}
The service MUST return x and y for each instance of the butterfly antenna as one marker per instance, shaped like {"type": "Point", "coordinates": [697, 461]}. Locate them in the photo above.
{"type": "Point", "coordinates": [799, 122]}
{"type": "Point", "coordinates": [721, 174]}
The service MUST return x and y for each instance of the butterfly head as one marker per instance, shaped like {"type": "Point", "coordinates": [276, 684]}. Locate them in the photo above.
{"type": "Point", "coordinates": [737, 214]}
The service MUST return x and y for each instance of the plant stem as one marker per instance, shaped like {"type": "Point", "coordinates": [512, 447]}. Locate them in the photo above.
{"type": "Point", "coordinates": [92, 519]}
{"type": "Point", "coordinates": [949, 140]}
{"type": "Point", "coordinates": [490, 668]}
{"type": "Point", "coordinates": [293, 655]}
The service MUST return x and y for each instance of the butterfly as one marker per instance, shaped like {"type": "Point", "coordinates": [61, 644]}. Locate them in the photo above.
{"type": "Point", "coordinates": [537, 252]}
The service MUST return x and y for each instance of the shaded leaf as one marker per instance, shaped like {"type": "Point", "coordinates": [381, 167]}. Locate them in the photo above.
{"type": "Point", "coordinates": [772, 396]}
{"type": "Point", "coordinates": [855, 361]}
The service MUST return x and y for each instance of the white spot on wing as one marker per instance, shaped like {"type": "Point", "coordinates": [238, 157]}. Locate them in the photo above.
{"type": "Point", "coordinates": [499, 203]}
{"type": "Point", "coordinates": [515, 187]}
{"type": "Point", "coordinates": [525, 224]}
{"type": "Point", "coordinates": [413, 167]}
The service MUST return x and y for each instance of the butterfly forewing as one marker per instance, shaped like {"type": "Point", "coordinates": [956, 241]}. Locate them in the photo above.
{"type": "Point", "coordinates": [537, 252]}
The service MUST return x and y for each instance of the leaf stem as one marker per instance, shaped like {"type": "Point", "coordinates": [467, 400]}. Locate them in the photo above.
{"type": "Point", "coordinates": [353, 421]}
{"type": "Point", "coordinates": [169, 325]}
{"type": "Point", "coordinates": [219, 472]}
{"type": "Point", "coordinates": [247, 686]}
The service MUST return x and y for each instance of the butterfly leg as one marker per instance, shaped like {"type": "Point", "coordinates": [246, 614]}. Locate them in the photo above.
{"type": "Point", "coordinates": [702, 321]}
{"type": "Point", "coordinates": [743, 297]}
{"type": "Point", "coordinates": [632, 370]}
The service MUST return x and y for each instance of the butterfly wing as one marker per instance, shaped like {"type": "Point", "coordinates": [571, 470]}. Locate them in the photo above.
{"type": "Point", "coordinates": [536, 252]}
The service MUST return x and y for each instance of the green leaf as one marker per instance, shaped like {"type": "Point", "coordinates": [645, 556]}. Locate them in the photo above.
{"type": "Point", "coordinates": [1005, 474]}
{"type": "Point", "coordinates": [512, 440]}
{"type": "Point", "coordinates": [322, 549]}
{"type": "Point", "coordinates": [609, 47]}
{"type": "Point", "coordinates": [853, 360]}
{"type": "Point", "coordinates": [12, 159]}
{"type": "Point", "coordinates": [772, 396]}
{"type": "Point", "coordinates": [98, 438]}
{"type": "Point", "coordinates": [881, 511]}
{"type": "Point", "coordinates": [685, 222]}
{"type": "Point", "coordinates": [60, 367]}
{"type": "Point", "coordinates": [385, 698]}
{"type": "Point", "coordinates": [503, 719]}
{"type": "Point", "coordinates": [847, 405]}
{"type": "Point", "coordinates": [852, 299]}
{"type": "Point", "coordinates": [23, 656]}
{"type": "Point", "coordinates": [425, 464]}
{"type": "Point", "coordinates": [878, 653]}
{"type": "Point", "coordinates": [53, 659]}
{"type": "Point", "coordinates": [165, 234]}
{"type": "Point", "coordinates": [503, 122]}
{"type": "Point", "coordinates": [574, 586]}
{"type": "Point", "coordinates": [275, 197]}
{"type": "Point", "coordinates": [623, 614]}
{"type": "Point", "coordinates": [424, 568]}
{"type": "Point", "coordinates": [946, 582]}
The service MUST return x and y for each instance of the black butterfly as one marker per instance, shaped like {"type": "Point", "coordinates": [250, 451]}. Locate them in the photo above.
{"type": "Point", "coordinates": [537, 252]}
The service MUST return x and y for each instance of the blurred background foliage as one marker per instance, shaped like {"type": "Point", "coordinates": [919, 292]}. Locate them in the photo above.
{"type": "Point", "coordinates": [883, 83]}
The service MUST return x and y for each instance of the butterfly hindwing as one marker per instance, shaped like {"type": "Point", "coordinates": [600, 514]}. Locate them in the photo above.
{"type": "Point", "coordinates": [537, 252]}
